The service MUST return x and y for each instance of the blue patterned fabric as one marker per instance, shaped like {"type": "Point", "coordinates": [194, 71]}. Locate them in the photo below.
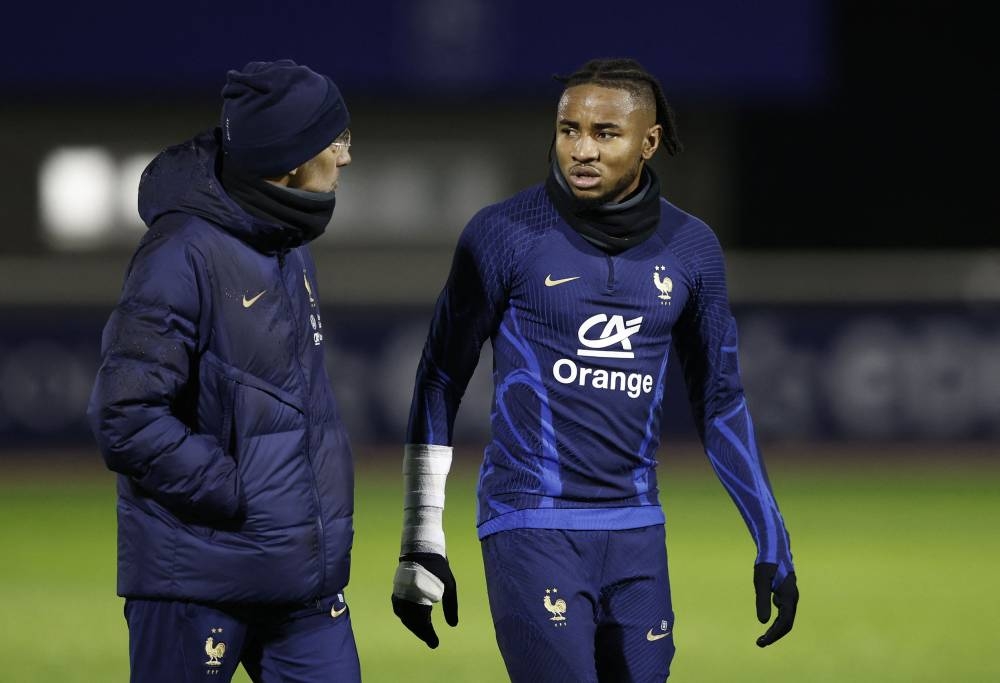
{"type": "Point", "coordinates": [580, 347]}
{"type": "Point", "coordinates": [213, 405]}
{"type": "Point", "coordinates": [581, 606]}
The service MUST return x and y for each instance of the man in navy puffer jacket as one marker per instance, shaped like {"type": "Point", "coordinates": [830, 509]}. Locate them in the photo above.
{"type": "Point", "coordinates": [235, 486]}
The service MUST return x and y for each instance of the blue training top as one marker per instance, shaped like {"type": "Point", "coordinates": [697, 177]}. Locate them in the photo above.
{"type": "Point", "coordinates": [581, 340]}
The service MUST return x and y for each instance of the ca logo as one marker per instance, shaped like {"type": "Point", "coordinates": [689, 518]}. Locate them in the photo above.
{"type": "Point", "coordinates": [616, 330]}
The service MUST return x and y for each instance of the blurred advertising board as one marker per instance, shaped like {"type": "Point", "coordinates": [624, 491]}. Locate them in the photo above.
{"type": "Point", "coordinates": [811, 372]}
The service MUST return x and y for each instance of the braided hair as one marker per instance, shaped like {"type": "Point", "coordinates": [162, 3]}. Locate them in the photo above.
{"type": "Point", "coordinates": [629, 75]}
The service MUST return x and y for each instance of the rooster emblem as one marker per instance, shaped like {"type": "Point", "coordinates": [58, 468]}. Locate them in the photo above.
{"type": "Point", "coordinates": [664, 284]}
{"type": "Point", "coordinates": [557, 608]}
{"type": "Point", "coordinates": [214, 652]}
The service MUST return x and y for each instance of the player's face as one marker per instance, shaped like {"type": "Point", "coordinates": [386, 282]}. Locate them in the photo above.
{"type": "Point", "coordinates": [603, 137]}
{"type": "Point", "coordinates": [322, 172]}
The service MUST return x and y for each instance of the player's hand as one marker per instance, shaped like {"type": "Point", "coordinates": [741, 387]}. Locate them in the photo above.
{"type": "Point", "coordinates": [421, 580]}
{"type": "Point", "coordinates": [786, 598]}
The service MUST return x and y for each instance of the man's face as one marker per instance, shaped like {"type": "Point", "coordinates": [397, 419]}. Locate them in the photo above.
{"type": "Point", "coordinates": [603, 137]}
{"type": "Point", "coordinates": [322, 172]}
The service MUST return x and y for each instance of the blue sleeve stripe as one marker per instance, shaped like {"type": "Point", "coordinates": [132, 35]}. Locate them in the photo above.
{"type": "Point", "coordinates": [730, 480]}
{"type": "Point", "coordinates": [736, 409]}
{"type": "Point", "coordinates": [777, 522]}
{"type": "Point", "coordinates": [750, 457]}
{"type": "Point", "coordinates": [763, 495]}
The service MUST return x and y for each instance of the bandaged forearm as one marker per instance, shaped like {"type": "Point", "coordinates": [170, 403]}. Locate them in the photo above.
{"type": "Point", "coordinates": [425, 470]}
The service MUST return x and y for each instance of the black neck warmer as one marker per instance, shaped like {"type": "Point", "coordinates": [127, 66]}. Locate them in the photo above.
{"type": "Point", "coordinates": [615, 226]}
{"type": "Point", "coordinates": [293, 217]}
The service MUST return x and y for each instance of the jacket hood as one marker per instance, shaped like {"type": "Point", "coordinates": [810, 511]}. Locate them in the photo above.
{"type": "Point", "coordinates": [184, 178]}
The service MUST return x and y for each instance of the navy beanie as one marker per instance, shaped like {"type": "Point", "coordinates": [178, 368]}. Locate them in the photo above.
{"type": "Point", "coordinates": [278, 115]}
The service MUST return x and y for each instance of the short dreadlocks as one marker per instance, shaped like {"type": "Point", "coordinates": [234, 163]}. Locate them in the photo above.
{"type": "Point", "coordinates": [628, 74]}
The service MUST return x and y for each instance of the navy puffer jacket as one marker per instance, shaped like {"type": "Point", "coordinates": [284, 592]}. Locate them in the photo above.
{"type": "Point", "coordinates": [213, 405]}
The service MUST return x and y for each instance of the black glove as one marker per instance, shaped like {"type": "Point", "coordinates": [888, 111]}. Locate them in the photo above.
{"type": "Point", "coordinates": [415, 616]}
{"type": "Point", "coordinates": [786, 598]}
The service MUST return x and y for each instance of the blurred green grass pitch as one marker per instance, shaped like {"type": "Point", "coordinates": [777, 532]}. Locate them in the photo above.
{"type": "Point", "coordinates": [898, 559]}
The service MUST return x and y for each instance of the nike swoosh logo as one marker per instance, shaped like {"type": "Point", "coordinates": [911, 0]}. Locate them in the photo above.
{"type": "Point", "coordinates": [653, 638]}
{"type": "Point", "coordinates": [334, 612]}
{"type": "Point", "coordinates": [247, 303]}
{"type": "Point", "coordinates": [549, 282]}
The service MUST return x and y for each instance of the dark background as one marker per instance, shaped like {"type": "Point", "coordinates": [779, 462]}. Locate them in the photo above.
{"type": "Point", "coordinates": [848, 124]}
{"type": "Point", "coordinates": [842, 151]}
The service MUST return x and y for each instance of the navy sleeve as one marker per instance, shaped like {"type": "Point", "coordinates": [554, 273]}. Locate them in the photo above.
{"type": "Point", "coordinates": [706, 342]}
{"type": "Point", "coordinates": [466, 315]}
{"type": "Point", "coordinates": [147, 350]}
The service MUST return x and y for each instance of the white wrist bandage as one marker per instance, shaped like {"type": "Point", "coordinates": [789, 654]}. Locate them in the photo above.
{"type": "Point", "coordinates": [425, 469]}
{"type": "Point", "coordinates": [414, 583]}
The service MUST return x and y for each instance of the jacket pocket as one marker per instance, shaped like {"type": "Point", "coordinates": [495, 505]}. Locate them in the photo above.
{"type": "Point", "coordinates": [227, 430]}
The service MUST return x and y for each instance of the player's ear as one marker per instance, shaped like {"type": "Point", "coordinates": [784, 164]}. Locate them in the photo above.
{"type": "Point", "coordinates": [651, 141]}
